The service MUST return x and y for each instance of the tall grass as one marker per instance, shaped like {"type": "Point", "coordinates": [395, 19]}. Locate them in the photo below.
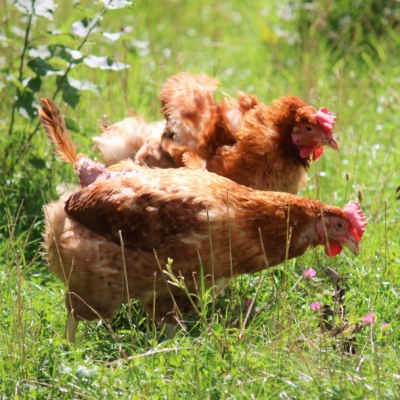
{"type": "Point", "coordinates": [263, 341]}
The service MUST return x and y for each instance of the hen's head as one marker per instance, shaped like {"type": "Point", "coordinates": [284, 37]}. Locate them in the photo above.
{"type": "Point", "coordinates": [313, 130]}
{"type": "Point", "coordinates": [338, 228]}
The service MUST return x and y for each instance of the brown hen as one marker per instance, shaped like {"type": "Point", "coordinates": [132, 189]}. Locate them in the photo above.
{"type": "Point", "coordinates": [263, 147]}
{"type": "Point", "coordinates": [180, 214]}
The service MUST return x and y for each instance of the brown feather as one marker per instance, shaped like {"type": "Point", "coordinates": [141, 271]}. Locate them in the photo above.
{"type": "Point", "coordinates": [244, 140]}
{"type": "Point", "coordinates": [54, 125]}
{"type": "Point", "coordinates": [195, 121]}
{"type": "Point", "coordinates": [152, 208]}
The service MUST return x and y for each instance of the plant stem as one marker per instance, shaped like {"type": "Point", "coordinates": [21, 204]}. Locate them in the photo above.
{"type": "Point", "coordinates": [21, 69]}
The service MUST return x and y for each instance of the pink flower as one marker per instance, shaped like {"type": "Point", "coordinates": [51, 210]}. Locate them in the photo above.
{"type": "Point", "coordinates": [316, 306]}
{"type": "Point", "coordinates": [369, 319]}
{"type": "Point", "coordinates": [385, 326]}
{"type": "Point", "coordinates": [309, 273]}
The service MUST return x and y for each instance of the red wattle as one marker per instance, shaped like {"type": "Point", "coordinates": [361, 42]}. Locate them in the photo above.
{"type": "Point", "coordinates": [317, 152]}
{"type": "Point", "coordinates": [334, 249]}
{"type": "Point", "coordinates": [306, 151]}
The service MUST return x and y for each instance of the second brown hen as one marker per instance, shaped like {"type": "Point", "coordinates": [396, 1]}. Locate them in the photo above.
{"type": "Point", "coordinates": [260, 146]}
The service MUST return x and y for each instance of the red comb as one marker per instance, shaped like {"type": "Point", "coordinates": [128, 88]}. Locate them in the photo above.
{"type": "Point", "coordinates": [326, 120]}
{"type": "Point", "coordinates": [356, 217]}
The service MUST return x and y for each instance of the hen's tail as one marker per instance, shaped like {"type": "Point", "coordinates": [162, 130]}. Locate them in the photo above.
{"type": "Point", "coordinates": [87, 170]}
{"type": "Point", "coordinates": [54, 125]}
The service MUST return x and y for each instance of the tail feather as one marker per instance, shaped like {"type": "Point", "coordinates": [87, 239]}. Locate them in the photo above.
{"type": "Point", "coordinates": [86, 169]}
{"type": "Point", "coordinates": [54, 125]}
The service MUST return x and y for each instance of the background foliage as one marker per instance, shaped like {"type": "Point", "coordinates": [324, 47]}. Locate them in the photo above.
{"type": "Point", "coordinates": [103, 59]}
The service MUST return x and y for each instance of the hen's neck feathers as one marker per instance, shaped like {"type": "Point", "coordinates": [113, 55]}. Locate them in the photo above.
{"type": "Point", "coordinates": [286, 223]}
{"type": "Point", "coordinates": [282, 116]}
{"type": "Point", "coordinates": [264, 156]}
{"type": "Point", "coordinates": [217, 131]}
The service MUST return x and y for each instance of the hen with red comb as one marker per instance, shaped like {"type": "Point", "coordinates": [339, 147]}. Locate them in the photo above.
{"type": "Point", "coordinates": [185, 215]}
{"type": "Point", "coordinates": [266, 147]}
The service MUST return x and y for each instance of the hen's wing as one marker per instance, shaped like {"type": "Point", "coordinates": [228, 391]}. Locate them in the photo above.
{"type": "Point", "coordinates": [197, 126]}
{"type": "Point", "coordinates": [188, 106]}
{"type": "Point", "coordinates": [263, 156]}
{"type": "Point", "coordinates": [146, 206]}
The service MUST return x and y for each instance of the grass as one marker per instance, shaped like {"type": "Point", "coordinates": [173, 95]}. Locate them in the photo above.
{"type": "Point", "coordinates": [280, 352]}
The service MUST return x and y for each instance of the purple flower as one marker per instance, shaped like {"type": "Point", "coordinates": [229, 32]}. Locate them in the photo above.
{"type": "Point", "coordinates": [309, 273]}
{"type": "Point", "coordinates": [316, 306]}
{"type": "Point", "coordinates": [369, 319]}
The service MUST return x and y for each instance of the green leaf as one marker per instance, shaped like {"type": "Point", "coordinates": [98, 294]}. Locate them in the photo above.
{"type": "Point", "coordinates": [13, 79]}
{"type": "Point", "coordinates": [88, 12]}
{"type": "Point", "coordinates": [57, 37]}
{"type": "Point", "coordinates": [26, 104]}
{"type": "Point", "coordinates": [59, 51]}
{"type": "Point", "coordinates": [72, 125]}
{"type": "Point", "coordinates": [40, 67]}
{"type": "Point", "coordinates": [35, 84]}
{"type": "Point", "coordinates": [82, 28]}
{"type": "Point", "coordinates": [69, 94]}
{"type": "Point", "coordinates": [37, 162]}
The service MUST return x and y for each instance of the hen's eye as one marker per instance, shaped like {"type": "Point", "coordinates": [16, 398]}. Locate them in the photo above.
{"type": "Point", "coordinates": [308, 128]}
{"type": "Point", "coordinates": [339, 225]}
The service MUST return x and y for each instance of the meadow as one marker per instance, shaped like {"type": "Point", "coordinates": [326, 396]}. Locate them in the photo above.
{"type": "Point", "coordinates": [105, 60]}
